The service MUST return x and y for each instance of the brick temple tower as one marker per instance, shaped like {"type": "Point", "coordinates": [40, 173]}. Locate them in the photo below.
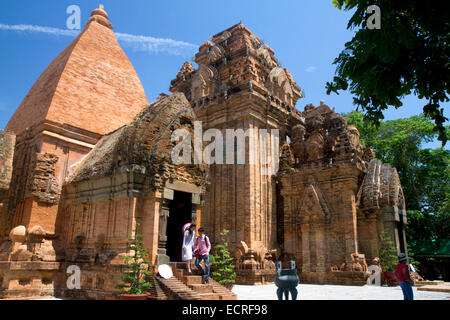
{"type": "Point", "coordinates": [239, 84]}
{"type": "Point", "coordinates": [89, 90]}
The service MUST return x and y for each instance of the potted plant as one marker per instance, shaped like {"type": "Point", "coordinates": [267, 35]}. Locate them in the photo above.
{"type": "Point", "coordinates": [388, 259]}
{"type": "Point", "coordinates": [222, 266]}
{"type": "Point", "coordinates": [135, 270]}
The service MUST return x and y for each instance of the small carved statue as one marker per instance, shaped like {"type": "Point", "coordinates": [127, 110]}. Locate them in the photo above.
{"type": "Point", "coordinates": [286, 157]}
{"type": "Point", "coordinates": [298, 145]}
{"type": "Point", "coordinates": [314, 146]}
{"type": "Point", "coordinates": [369, 155]}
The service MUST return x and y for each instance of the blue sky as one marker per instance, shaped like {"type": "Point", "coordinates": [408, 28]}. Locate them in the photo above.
{"type": "Point", "coordinates": [306, 36]}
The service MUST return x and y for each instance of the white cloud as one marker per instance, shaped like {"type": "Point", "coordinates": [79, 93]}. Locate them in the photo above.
{"type": "Point", "coordinates": [136, 42]}
{"type": "Point", "coordinates": [156, 45]}
{"type": "Point", "coordinates": [31, 28]}
{"type": "Point", "coordinates": [311, 69]}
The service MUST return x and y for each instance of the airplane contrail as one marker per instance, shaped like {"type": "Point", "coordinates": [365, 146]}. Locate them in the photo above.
{"type": "Point", "coordinates": [135, 42]}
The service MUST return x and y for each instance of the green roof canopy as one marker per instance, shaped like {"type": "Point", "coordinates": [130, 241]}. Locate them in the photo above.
{"type": "Point", "coordinates": [431, 248]}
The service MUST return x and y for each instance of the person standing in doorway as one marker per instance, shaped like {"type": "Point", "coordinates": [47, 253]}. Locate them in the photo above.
{"type": "Point", "coordinates": [188, 246]}
{"type": "Point", "coordinates": [204, 247]}
{"type": "Point", "coordinates": [402, 275]}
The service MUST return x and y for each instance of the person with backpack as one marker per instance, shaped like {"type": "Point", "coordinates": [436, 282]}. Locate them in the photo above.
{"type": "Point", "coordinates": [203, 246]}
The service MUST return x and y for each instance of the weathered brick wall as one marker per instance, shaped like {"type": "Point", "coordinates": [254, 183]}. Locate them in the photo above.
{"type": "Point", "coordinates": [43, 184]}
{"type": "Point", "coordinates": [7, 145]}
{"type": "Point", "coordinates": [98, 231]}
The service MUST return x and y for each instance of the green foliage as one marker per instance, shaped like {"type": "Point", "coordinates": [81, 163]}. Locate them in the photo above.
{"type": "Point", "coordinates": [388, 253]}
{"type": "Point", "coordinates": [222, 267]}
{"type": "Point", "coordinates": [409, 54]}
{"type": "Point", "coordinates": [411, 258]}
{"type": "Point", "coordinates": [135, 268]}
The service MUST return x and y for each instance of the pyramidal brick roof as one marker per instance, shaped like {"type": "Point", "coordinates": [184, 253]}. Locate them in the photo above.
{"type": "Point", "coordinates": [90, 85]}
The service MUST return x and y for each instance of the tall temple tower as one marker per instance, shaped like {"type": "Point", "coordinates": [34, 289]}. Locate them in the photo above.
{"type": "Point", "coordinates": [239, 84]}
{"type": "Point", "coordinates": [89, 90]}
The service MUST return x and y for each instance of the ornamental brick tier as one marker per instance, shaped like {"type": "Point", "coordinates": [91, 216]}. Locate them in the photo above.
{"type": "Point", "coordinates": [85, 158]}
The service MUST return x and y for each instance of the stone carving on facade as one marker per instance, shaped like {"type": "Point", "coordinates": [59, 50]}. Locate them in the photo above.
{"type": "Point", "coordinates": [222, 37]}
{"type": "Point", "coordinates": [381, 187]}
{"type": "Point", "coordinates": [215, 53]}
{"type": "Point", "coordinates": [203, 82]}
{"type": "Point", "coordinates": [43, 183]}
{"type": "Point", "coordinates": [314, 146]}
{"type": "Point", "coordinates": [268, 58]}
{"type": "Point", "coordinates": [280, 84]}
{"type": "Point", "coordinates": [32, 245]}
{"type": "Point", "coordinates": [287, 159]}
{"type": "Point", "coordinates": [254, 258]}
{"type": "Point", "coordinates": [186, 68]}
{"type": "Point", "coordinates": [355, 144]}
{"type": "Point", "coordinates": [358, 262]}
{"type": "Point", "coordinates": [298, 141]}
{"type": "Point", "coordinates": [207, 44]}
{"type": "Point", "coordinates": [7, 144]}
{"type": "Point", "coordinates": [326, 138]}
{"type": "Point", "coordinates": [313, 207]}
{"type": "Point", "coordinates": [368, 155]}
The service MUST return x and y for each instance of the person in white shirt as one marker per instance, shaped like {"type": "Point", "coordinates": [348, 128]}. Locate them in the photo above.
{"type": "Point", "coordinates": [188, 246]}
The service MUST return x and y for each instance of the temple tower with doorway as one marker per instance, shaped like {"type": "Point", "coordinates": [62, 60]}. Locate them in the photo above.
{"type": "Point", "coordinates": [239, 84]}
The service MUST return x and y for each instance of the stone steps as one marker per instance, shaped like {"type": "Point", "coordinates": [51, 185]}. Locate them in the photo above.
{"type": "Point", "coordinates": [185, 272]}
{"type": "Point", "coordinates": [192, 279]}
{"type": "Point", "coordinates": [176, 289]}
{"type": "Point", "coordinates": [223, 292]}
{"type": "Point", "coordinates": [195, 282]}
{"type": "Point", "coordinates": [156, 292]}
{"type": "Point", "coordinates": [209, 296]}
{"type": "Point", "coordinates": [438, 287]}
{"type": "Point", "coordinates": [201, 288]}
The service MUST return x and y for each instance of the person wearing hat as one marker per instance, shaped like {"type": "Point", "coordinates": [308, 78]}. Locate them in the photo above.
{"type": "Point", "coordinates": [188, 245]}
{"type": "Point", "coordinates": [402, 275]}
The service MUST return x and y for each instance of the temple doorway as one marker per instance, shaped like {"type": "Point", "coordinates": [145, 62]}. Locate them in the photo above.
{"type": "Point", "coordinates": [180, 213]}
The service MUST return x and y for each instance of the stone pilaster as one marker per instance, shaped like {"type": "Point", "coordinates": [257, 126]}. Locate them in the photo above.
{"type": "Point", "coordinates": [162, 257]}
{"type": "Point", "coordinates": [306, 254]}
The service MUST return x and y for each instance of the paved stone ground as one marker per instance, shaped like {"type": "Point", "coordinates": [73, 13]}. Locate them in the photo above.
{"type": "Point", "coordinates": [334, 292]}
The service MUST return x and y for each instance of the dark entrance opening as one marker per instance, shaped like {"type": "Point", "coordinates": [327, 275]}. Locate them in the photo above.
{"type": "Point", "coordinates": [179, 214]}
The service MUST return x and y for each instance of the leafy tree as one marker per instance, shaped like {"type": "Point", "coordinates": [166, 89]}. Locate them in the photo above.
{"type": "Point", "coordinates": [388, 253]}
{"type": "Point", "coordinates": [409, 54]}
{"type": "Point", "coordinates": [424, 173]}
{"type": "Point", "coordinates": [222, 267]}
{"type": "Point", "coordinates": [136, 267]}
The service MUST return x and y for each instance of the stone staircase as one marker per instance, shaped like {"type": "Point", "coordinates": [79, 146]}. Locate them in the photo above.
{"type": "Point", "coordinates": [195, 282]}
